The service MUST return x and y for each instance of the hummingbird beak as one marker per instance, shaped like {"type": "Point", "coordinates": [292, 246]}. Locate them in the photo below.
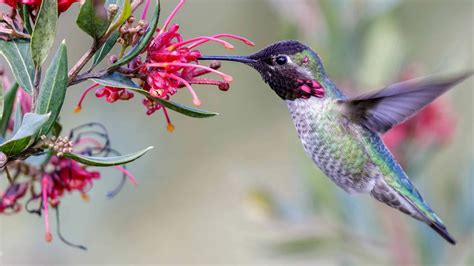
{"type": "Point", "coordinates": [241, 59]}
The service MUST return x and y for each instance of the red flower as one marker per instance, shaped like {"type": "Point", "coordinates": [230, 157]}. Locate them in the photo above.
{"type": "Point", "coordinates": [63, 5]}
{"type": "Point", "coordinates": [171, 63]}
{"type": "Point", "coordinates": [9, 199]}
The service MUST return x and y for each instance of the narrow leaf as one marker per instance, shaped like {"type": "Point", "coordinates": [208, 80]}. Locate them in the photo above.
{"type": "Point", "coordinates": [182, 109]}
{"type": "Point", "coordinates": [8, 103]}
{"type": "Point", "coordinates": [25, 135]}
{"type": "Point", "coordinates": [118, 80]}
{"type": "Point", "coordinates": [42, 38]}
{"type": "Point", "coordinates": [93, 18]}
{"type": "Point", "coordinates": [53, 89]}
{"type": "Point", "coordinates": [106, 48]}
{"type": "Point", "coordinates": [18, 118]}
{"type": "Point", "coordinates": [126, 11]}
{"type": "Point", "coordinates": [107, 161]}
{"type": "Point", "coordinates": [18, 56]}
{"type": "Point", "coordinates": [138, 48]}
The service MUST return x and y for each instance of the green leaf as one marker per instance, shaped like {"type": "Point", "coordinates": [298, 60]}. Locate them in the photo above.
{"type": "Point", "coordinates": [138, 48]}
{"type": "Point", "coordinates": [18, 118]}
{"type": "Point", "coordinates": [53, 89]}
{"type": "Point", "coordinates": [182, 109]}
{"type": "Point", "coordinates": [93, 18]}
{"type": "Point", "coordinates": [8, 102]}
{"type": "Point", "coordinates": [25, 15]}
{"type": "Point", "coordinates": [118, 80]}
{"type": "Point", "coordinates": [105, 49]}
{"type": "Point", "coordinates": [25, 135]}
{"type": "Point", "coordinates": [18, 56]}
{"type": "Point", "coordinates": [106, 161]}
{"type": "Point", "coordinates": [42, 38]}
{"type": "Point", "coordinates": [126, 11]}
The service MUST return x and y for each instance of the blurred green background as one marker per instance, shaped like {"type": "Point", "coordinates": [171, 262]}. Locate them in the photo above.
{"type": "Point", "coordinates": [238, 188]}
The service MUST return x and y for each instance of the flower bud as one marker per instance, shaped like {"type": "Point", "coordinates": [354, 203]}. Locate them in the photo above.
{"type": "Point", "coordinates": [113, 8]}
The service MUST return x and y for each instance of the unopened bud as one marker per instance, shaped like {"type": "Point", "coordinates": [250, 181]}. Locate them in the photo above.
{"type": "Point", "coordinates": [113, 8]}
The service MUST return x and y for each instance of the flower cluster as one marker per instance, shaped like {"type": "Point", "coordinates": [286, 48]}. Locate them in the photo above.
{"type": "Point", "coordinates": [167, 64]}
{"type": "Point", "coordinates": [58, 175]}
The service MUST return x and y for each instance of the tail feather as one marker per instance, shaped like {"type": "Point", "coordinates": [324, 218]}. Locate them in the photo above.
{"type": "Point", "coordinates": [386, 194]}
{"type": "Point", "coordinates": [442, 231]}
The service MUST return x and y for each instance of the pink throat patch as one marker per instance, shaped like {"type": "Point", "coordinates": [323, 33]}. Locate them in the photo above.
{"type": "Point", "coordinates": [311, 88]}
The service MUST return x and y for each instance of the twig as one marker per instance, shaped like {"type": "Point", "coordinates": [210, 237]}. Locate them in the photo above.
{"type": "Point", "coordinates": [9, 177]}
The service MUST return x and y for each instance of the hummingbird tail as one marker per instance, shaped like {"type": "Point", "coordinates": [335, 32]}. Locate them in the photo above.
{"type": "Point", "coordinates": [442, 231]}
{"type": "Point", "coordinates": [422, 212]}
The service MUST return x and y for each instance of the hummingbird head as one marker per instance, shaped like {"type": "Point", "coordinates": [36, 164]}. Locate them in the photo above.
{"type": "Point", "coordinates": [291, 68]}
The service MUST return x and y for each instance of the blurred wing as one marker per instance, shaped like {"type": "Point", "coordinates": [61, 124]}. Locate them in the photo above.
{"type": "Point", "coordinates": [383, 109]}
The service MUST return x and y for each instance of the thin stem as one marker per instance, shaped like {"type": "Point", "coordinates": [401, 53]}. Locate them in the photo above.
{"type": "Point", "coordinates": [9, 177]}
{"type": "Point", "coordinates": [83, 61]}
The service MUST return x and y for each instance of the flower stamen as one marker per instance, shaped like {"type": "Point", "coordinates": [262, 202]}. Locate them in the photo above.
{"type": "Point", "coordinates": [130, 176]}
{"type": "Point", "coordinates": [201, 40]}
{"type": "Point", "coordinates": [165, 65]}
{"type": "Point", "coordinates": [232, 36]}
{"type": "Point", "coordinates": [171, 16]}
{"type": "Point", "coordinates": [79, 104]}
{"type": "Point", "coordinates": [196, 100]}
{"type": "Point", "coordinates": [44, 190]}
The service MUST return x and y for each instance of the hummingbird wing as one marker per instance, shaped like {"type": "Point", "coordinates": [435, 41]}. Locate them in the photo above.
{"type": "Point", "coordinates": [383, 109]}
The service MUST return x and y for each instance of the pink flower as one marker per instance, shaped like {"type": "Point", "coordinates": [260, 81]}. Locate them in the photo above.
{"type": "Point", "coordinates": [171, 63]}
{"type": "Point", "coordinates": [14, 192]}
{"type": "Point", "coordinates": [63, 5]}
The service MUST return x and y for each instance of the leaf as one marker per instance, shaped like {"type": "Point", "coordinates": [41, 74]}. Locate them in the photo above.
{"type": "Point", "coordinates": [107, 161]}
{"type": "Point", "coordinates": [42, 38]}
{"type": "Point", "coordinates": [26, 134]}
{"type": "Point", "coordinates": [138, 48]}
{"type": "Point", "coordinates": [18, 56]}
{"type": "Point", "coordinates": [126, 11]}
{"type": "Point", "coordinates": [182, 109]}
{"type": "Point", "coordinates": [118, 80]}
{"type": "Point", "coordinates": [106, 48]}
{"type": "Point", "coordinates": [8, 102]}
{"type": "Point", "coordinates": [93, 18]}
{"type": "Point", "coordinates": [53, 89]}
{"type": "Point", "coordinates": [18, 118]}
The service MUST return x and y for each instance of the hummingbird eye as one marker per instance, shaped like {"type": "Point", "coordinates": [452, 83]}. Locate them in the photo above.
{"type": "Point", "coordinates": [281, 60]}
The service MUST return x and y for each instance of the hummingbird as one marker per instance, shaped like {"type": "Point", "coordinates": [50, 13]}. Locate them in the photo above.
{"type": "Point", "coordinates": [341, 134]}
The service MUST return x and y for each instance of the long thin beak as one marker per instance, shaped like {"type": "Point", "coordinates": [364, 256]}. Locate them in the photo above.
{"type": "Point", "coordinates": [241, 59]}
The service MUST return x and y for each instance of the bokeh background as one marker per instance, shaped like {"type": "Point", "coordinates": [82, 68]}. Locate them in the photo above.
{"type": "Point", "coordinates": [238, 189]}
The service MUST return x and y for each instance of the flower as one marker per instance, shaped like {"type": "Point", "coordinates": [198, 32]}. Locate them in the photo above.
{"type": "Point", "coordinates": [168, 64]}
{"type": "Point", "coordinates": [63, 5]}
{"type": "Point", "coordinates": [59, 176]}
{"type": "Point", "coordinates": [9, 199]}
